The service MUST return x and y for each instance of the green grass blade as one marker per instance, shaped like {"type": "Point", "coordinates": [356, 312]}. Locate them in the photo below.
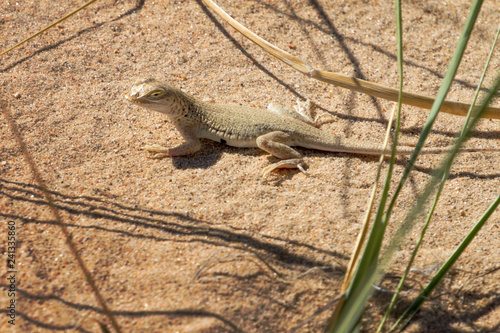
{"type": "Point", "coordinates": [367, 270]}
{"type": "Point", "coordinates": [469, 114]}
{"type": "Point", "coordinates": [415, 211]}
{"type": "Point", "coordinates": [436, 199]}
{"type": "Point", "coordinates": [441, 95]}
{"type": "Point", "coordinates": [413, 308]}
{"type": "Point", "coordinates": [359, 290]}
{"type": "Point", "coordinates": [440, 174]}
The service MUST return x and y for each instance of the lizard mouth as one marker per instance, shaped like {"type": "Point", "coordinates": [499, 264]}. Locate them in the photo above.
{"type": "Point", "coordinates": [134, 100]}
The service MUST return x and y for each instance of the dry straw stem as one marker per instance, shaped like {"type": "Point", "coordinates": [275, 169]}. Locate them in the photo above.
{"type": "Point", "coordinates": [366, 222]}
{"type": "Point", "coordinates": [344, 81]}
{"type": "Point", "coordinates": [362, 86]}
{"type": "Point", "coordinates": [48, 27]}
{"type": "Point", "coordinates": [364, 232]}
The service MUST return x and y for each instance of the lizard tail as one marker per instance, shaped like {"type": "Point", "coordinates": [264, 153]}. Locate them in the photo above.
{"type": "Point", "coordinates": [408, 150]}
{"type": "Point", "coordinates": [427, 151]}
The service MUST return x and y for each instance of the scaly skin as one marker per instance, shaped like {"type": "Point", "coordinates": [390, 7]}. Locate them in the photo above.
{"type": "Point", "coordinates": [275, 130]}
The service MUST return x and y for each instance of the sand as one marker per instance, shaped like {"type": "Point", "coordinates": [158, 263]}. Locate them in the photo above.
{"type": "Point", "coordinates": [203, 243]}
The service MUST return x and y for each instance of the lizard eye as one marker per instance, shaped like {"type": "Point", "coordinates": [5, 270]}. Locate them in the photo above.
{"type": "Point", "coordinates": [156, 93]}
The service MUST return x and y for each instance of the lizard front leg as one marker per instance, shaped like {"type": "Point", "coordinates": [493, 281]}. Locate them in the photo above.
{"type": "Point", "coordinates": [191, 146]}
{"type": "Point", "coordinates": [278, 144]}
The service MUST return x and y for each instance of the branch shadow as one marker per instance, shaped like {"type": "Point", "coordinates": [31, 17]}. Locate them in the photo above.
{"type": "Point", "coordinates": [164, 226]}
{"type": "Point", "coordinates": [427, 315]}
{"type": "Point", "coordinates": [158, 226]}
{"type": "Point", "coordinates": [400, 160]}
{"type": "Point", "coordinates": [131, 314]}
{"type": "Point", "coordinates": [137, 7]}
{"type": "Point", "coordinates": [330, 29]}
{"type": "Point", "coordinates": [237, 45]}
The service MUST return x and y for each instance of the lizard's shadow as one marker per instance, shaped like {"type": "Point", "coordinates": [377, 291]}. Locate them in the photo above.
{"type": "Point", "coordinates": [401, 161]}
{"type": "Point", "coordinates": [209, 155]}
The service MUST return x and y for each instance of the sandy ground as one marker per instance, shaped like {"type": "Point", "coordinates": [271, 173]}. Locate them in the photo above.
{"type": "Point", "coordinates": [204, 243]}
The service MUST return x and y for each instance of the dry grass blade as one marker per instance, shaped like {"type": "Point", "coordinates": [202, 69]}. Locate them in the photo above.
{"type": "Point", "coordinates": [362, 86]}
{"type": "Point", "coordinates": [366, 223]}
{"type": "Point", "coordinates": [364, 232]}
{"type": "Point", "coordinates": [48, 27]}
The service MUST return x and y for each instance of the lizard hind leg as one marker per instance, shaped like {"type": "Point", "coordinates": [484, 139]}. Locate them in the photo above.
{"type": "Point", "coordinates": [304, 112]}
{"type": "Point", "coordinates": [278, 144]}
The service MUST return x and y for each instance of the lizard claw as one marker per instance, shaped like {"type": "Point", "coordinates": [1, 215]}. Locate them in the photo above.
{"type": "Point", "coordinates": [285, 164]}
{"type": "Point", "coordinates": [301, 168]}
{"type": "Point", "coordinates": [156, 151]}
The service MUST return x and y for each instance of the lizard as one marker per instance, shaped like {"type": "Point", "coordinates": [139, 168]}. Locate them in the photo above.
{"type": "Point", "coordinates": [275, 130]}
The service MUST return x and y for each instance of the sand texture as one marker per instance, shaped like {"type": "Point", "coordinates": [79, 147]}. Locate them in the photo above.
{"type": "Point", "coordinates": [204, 243]}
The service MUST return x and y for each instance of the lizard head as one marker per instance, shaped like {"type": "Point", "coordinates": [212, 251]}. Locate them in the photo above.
{"type": "Point", "coordinates": [155, 95]}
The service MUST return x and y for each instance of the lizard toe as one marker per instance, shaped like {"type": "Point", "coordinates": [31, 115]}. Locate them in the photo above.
{"type": "Point", "coordinates": [156, 151]}
{"type": "Point", "coordinates": [295, 163]}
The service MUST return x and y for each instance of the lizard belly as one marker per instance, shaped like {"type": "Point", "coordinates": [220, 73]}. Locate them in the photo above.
{"type": "Point", "coordinates": [230, 140]}
{"type": "Point", "coordinates": [241, 143]}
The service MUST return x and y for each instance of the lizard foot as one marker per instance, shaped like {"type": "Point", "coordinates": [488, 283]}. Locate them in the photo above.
{"type": "Point", "coordinates": [156, 151]}
{"type": "Point", "coordinates": [307, 110]}
{"type": "Point", "coordinates": [295, 163]}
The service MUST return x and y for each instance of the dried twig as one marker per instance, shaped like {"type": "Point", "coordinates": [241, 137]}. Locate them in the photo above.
{"type": "Point", "coordinates": [351, 83]}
